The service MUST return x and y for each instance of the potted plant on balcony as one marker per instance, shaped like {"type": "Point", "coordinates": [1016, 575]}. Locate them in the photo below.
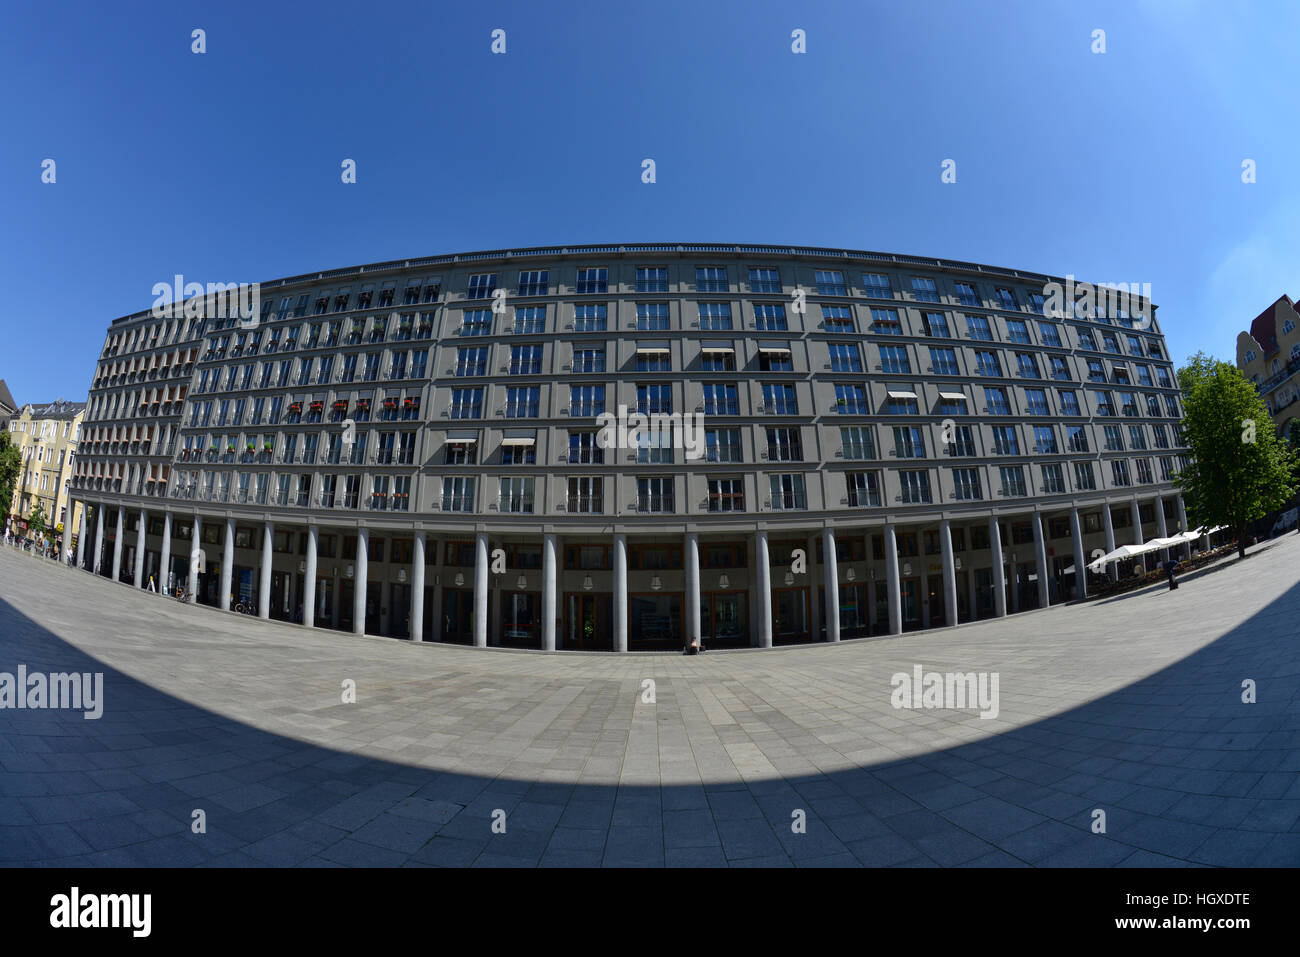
{"type": "Point", "coordinates": [267, 447]}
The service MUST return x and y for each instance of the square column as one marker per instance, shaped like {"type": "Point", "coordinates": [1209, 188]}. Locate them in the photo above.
{"type": "Point", "coordinates": [164, 571]}
{"type": "Point", "coordinates": [549, 597]}
{"type": "Point", "coordinates": [117, 547]}
{"type": "Point", "coordinates": [620, 592]}
{"type": "Point", "coordinates": [359, 581]}
{"type": "Point", "coordinates": [763, 590]}
{"type": "Point", "coordinates": [1040, 555]}
{"type": "Point", "coordinates": [831, 576]}
{"type": "Point", "coordinates": [309, 579]}
{"type": "Point", "coordinates": [891, 580]}
{"type": "Point", "coordinates": [999, 576]}
{"type": "Point", "coordinates": [227, 563]}
{"type": "Point", "coordinates": [139, 549]}
{"type": "Point", "coordinates": [264, 579]}
{"type": "Point", "coordinates": [417, 589]}
{"type": "Point", "coordinates": [692, 629]}
{"type": "Point", "coordinates": [1080, 571]}
{"type": "Point", "coordinates": [480, 589]}
{"type": "Point", "coordinates": [1112, 569]}
{"type": "Point", "coordinates": [195, 550]}
{"type": "Point", "coordinates": [949, 573]}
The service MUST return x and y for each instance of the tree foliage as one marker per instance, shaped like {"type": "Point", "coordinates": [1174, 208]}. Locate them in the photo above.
{"type": "Point", "coordinates": [36, 521]}
{"type": "Point", "coordinates": [11, 464]}
{"type": "Point", "coordinates": [1239, 468]}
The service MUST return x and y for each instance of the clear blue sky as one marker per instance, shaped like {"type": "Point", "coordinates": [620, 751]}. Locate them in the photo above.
{"type": "Point", "coordinates": [1123, 166]}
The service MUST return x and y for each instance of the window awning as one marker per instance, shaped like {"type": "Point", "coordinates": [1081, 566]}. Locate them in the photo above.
{"type": "Point", "coordinates": [655, 349]}
{"type": "Point", "coordinates": [518, 441]}
{"type": "Point", "coordinates": [717, 349]}
{"type": "Point", "coordinates": [785, 349]}
{"type": "Point", "coordinates": [462, 441]}
{"type": "Point", "coordinates": [900, 395]}
{"type": "Point", "coordinates": [956, 396]}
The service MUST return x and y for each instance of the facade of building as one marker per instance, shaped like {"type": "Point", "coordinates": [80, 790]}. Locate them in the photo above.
{"type": "Point", "coordinates": [8, 407]}
{"type": "Point", "coordinates": [417, 448]}
{"type": "Point", "coordinates": [1268, 354]}
{"type": "Point", "coordinates": [46, 436]}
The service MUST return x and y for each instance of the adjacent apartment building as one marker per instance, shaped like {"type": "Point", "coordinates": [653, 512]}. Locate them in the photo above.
{"type": "Point", "coordinates": [46, 436]}
{"type": "Point", "coordinates": [447, 449]}
{"type": "Point", "coordinates": [1268, 354]}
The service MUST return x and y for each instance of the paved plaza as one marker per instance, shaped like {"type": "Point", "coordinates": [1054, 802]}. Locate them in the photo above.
{"type": "Point", "coordinates": [1131, 706]}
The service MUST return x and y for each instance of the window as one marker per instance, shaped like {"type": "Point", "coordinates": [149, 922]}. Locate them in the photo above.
{"type": "Point", "coordinates": [1144, 471]}
{"type": "Point", "coordinates": [651, 316]}
{"type": "Point", "coordinates": [764, 280]}
{"type": "Point", "coordinates": [1119, 472]}
{"type": "Point", "coordinates": [996, 401]}
{"type": "Point", "coordinates": [943, 361]}
{"type": "Point", "coordinates": [1144, 375]}
{"type": "Point", "coordinates": [586, 400]}
{"type": "Point", "coordinates": [966, 294]}
{"type": "Point", "coordinates": [1045, 440]}
{"type": "Point", "coordinates": [588, 359]}
{"type": "Point", "coordinates": [534, 282]}
{"type": "Point", "coordinates": [654, 399]}
{"type": "Point", "coordinates": [966, 485]}
{"type": "Point", "coordinates": [458, 494]}
{"type": "Point", "coordinates": [523, 402]}
{"type": "Point", "coordinates": [516, 494]}
{"type": "Point", "coordinates": [467, 403]}
{"type": "Point", "coordinates": [857, 442]}
{"type": "Point", "coordinates": [830, 282]}
{"type": "Point", "coordinates": [936, 325]}
{"type": "Point", "coordinates": [722, 445]}
{"type": "Point", "coordinates": [476, 322]}
{"type": "Point", "coordinates": [471, 362]}
{"type": "Point", "coordinates": [850, 399]}
{"type": "Point", "coordinates": [1036, 402]}
{"type": "Point", "coordinates": [655, 494]}
{"type": "Point", "coordinates": [585, 495]}
{"type": "Point", "coordinates": [977, 327]}
{"type": "Point", "coordinates": [651, 278]}
{"type": "Point", "coordinates": [1059, 368]}
{"type": "Point", "coordinates": [530, 319]}
{"type": "Point", "coordinates": [963, 442]}
{"type": "Point", "coordinates": [1007, 299]}
{"type": "Point", "coordinates": [901, 403]}
{"type": "Point", "coordinates": [518, 452]}
{"type": "Point", "coordinates": [923, 290]}
{"type": "Point", "coordinates": [1076, 438]}
{"type": "Point", "coordinates": [1027, 365]}
{"type": "Point", "coordinates": [1013, 481]}
{"type": "Point", "coordinates": [1166, 468]}
{"type": "Point", "coordinates": [711, 279]}
{"type": "Point", "coordinates": [589, 317]}
{"type": "Point", "coordinates": [1110, 342]}
{"type": "Point", "coordinates": [717, 360]}
{"type": "Point", "coordinates": [1018, 331]}
{"type": "Point", "coordinates": [770, 317]}
{"type": "Point", "coordinates": [1037, 302]}
{"type": "Point", "coordinates": [885, 322]}
{"type": "Point", "coordinates": [784, 445]}
{"type": "Point", "coordinates": [585, 449]}
{"type": "Point", "coordinates": [593, 279]}
{"type": "Point", "coordinates": [1160, 437]}
{"type": "Point", "coordinates": [1102, 400]}
{"type": "Point", "coordinates": [1114, 441]}
{"type": "Point", "coordinates": [894, 359]}
{"type": "Point", "coordinates": [779, 399]}
{"type": "Point", "coordinates": [837, 318]}
{"type": "Point", "coordinates": [864, 490]}
{"type": "Point", "coordinates": [1005, 441]}
{"type": "Point", "coordinates": [909, 443]}
{"type": "Point", "coordinates": [987, 364]}
{"type": "Point", "coordinates": [527, 360]}
{"type": "Point", "coordinates": [1069, 402]}
{"type": "Point", "coordinates": [1083, 477]}
{"type": "Point", "coordinates": [877, 286]}
{"type": "Point", "coordinates": [1171, 406]}
{"type": "Point", "coordinates": [915, 486]}
{"type": "Point", "coordinates": [460, 452]}
{"type": "Point", "coordinates": [845, 357]}
{"type": "Point", "coordinates": [1053, 480]}
{"type": "Point", "coordinates": [653, 360]}
{"type": "Point", "coordinates": [714, 316]}
{"type": "Point", "coordinates": [1128, 403]}
{"type": "Point", "coordinates": [726, 495]}
{"type": "Point", "coordinates": [720, 398]}
{"type": "Point", "coordinates": [1137, 438]}
{"type": "Point", "coordinates": [481, 286]}
{"type": "Point", "coordinates": [788, 491]}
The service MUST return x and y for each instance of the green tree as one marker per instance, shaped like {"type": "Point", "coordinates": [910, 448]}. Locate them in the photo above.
{"type": "Point", "coordinates": [1239, 468]}
{"type": "Point", "coordinates": [11, 464]}
{"type": "Point", "coordinates": [36, 521]}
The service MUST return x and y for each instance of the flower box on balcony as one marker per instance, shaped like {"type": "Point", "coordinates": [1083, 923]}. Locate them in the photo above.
{"type": "Point", "coordinates": [340, 406]}
{"type": "Point", "coordinates": [268, 446]}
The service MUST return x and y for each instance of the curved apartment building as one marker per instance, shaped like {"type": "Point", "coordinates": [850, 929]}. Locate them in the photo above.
{"type": "Point", "coordinates": [449, 448]}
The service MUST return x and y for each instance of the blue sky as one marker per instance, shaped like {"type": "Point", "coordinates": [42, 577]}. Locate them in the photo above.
{"type": "Point", "coordinates": [1120, 167]}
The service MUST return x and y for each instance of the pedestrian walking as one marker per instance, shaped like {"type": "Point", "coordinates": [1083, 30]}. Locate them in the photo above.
{"type": "Point", "coordinates": [1170, 567]}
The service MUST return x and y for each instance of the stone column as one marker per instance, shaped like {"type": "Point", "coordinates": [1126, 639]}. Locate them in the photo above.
{"type": "Point", "coordinates": [1162, 527]}
{"type": "Point", "coordinates": [549, 597]}
{"type": "Point", "coordinates": [830, 575]}
{"type": "Point", "coordinates": [1136, 517]}
{"type": "Point", "coordinates": [164, 570]}
{"type": "Point", "coordinates": [1113, 568]}
{"type": "Point", "coordinates": [949, 573]}
{"type": "Point", "coordinates": [480, 589]}
{"type": "Point", "coordinates": [892, 582]}
{"type": "Point", "coordinates": [1080, 570]}
{"type": "Point", "coordinates": [227, 563]}
{"type": "Point", "coordinates": [81, 539]}
{"type": "Point", "coordinates": [117, 546]}
{"type": "Point", "coordinates": [99, 539]}
{"type": "Point", "coordinates": [359, 581]}
{"type": "Point", "coordinates": [692, 630]}
{"type": "Point", "coordinates": [196, 546]}
{"type": "Point", "coordinates": [1040, 556]}
{"type": "Point", "coordinates": [417, 589]}
{"type": "Point", "coordinates": [309, 579]}
{"type": "Point", "coordinates": [620, 592]}
{"type": "Point", "coordinates": [1182, 521]}
{"type": "Point", "coordinates": [140, 541]}
{"type": "Point", "coordinates": [264, 579]}
{"type": "Point", "coordinates": [763, 590]}
{"type": "Point", "coordinates": [999, 576]}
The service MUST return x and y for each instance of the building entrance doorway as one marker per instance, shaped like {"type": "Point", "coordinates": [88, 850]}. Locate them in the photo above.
{"type": "Point", "coordinates": [587, 621]}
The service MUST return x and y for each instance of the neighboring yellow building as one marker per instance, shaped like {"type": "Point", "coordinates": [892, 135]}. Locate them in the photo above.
{"type": "Point", "coordinates": [46, 436]}
{"type": "Point", "coordinates": [1269, 356]}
